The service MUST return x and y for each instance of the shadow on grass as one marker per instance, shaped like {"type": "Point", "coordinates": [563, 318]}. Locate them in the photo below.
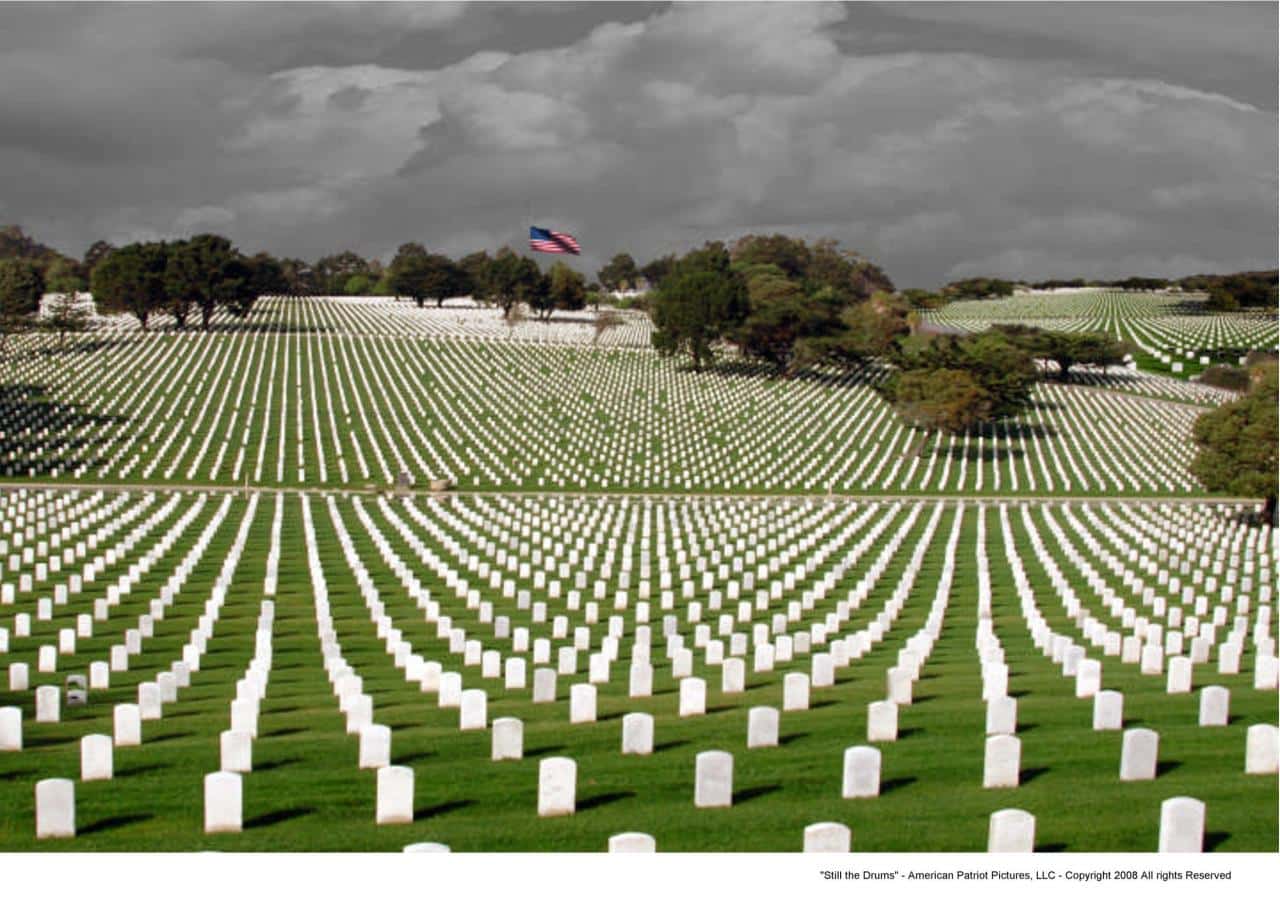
{"type": "Point", "coordinates": [910, 731]}
{"type": "Point", "coordinates": [745, 796]}
{"type": "Point", "coordinates": [165, 737]}
{"type": "Point", "coordinates": [1215, 839]}
{"type": "Point", "coordinates": [280, 815]}
{"type": "Point", "coordinates": [604, 799]}
{"type": "Point", "coordinates": [543, 750]}
{"type": "Point", "coordinates": [141, 769]}
{"type": "Point", "coordinates": [1051, 848]}
{"type": "Point", "coordinates": [278, 763]}
{"type": "Point", "coordinates": [287, 731]}
{"type": "Point", "coordinates": [117, 821]}
{"type": "Point", "coordinates": [1164, 767]}
{"type": "Point", "coordinates": [1030, 774]}
{"type": "Point", "coordinates": [823, 703]}
{"type": "Point", "coordinates": [442, 809]}
{"type": "Point", "coordinates": [413, 757]}
{"type": "Point", "coordinates": [897, 783]}
{"type": "Point", "coordinates": [674, 744]}
{"type": "Point", "coordinates": [790, 738]}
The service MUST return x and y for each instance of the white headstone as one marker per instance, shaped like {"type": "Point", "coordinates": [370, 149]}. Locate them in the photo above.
{"type": "Point", "coordinates": [508, 739]}
{"type": "Point", "coordinates": [693, 696]}
{"type": "Point", "coordinates": [1262, 749]}
{"type": "Point", "coordinates": [733, 675]}
{"type": "Point", "coordinates": [19, 677]}
{"type": "Point", "coordinates": [450, 693]}
{"type": "Point", "coordinates": [544, 685]}
{"type": "Point", "coordinates": [557, 786]}
{"type": "Point", "coordinates": [1108, 710]}
{"type": "Point", "coordinates": [223, 802]}
{"type": "Point", "coordinates": [96, 755]}
{"type": "Point", "coordinates": [762, 724]}
{"type": "Point", "coordinates": [1088, 677]}
{"type": "Point", "coordinates": [395, 795]}
{"type": "Point", "coordinates": [474, 714]}
{"type": "Point", "coordinates": [149, 701]}
{"type": "Point", "coordinates": [795, 692]}
{"type": "Point", "coordinates": [1002, 761]}
{"type": "Point", "coordinates": [1215, 703]}
{"type": "Point", "coordinates": [632, 842]}
{"type": "Point", "coordinates": [127, 725]}
{"type": "Point", "coordinates": [713, 781]}
{"type": "Point", "coordinates": [55, 808]}
{"type": "Point", "coordinates": [637, 734]}
{"type": "Point", "coordinates": [1138, 754]}
{"type": "Point", "coordinates": [1179, 682]}
{"type": "Point", "coordinates": [827, 837]}
{"type": "Point", "coordinates": [882, 721]}
{"type": "Point", "coordinates": [1181, 825]}
{"type": "Point", "coordinates": [10, 729]}
{"type": "Point", "coordinates": [1011, 831]}
{"type": "Point", "coordinates": [1002, 715]}
{"type": "Point", "coordinates": [48, 704]}
{"type": "Point", "coordinates": [861, 772]}
{"type": "Point", "coordinates": [375, 746]}
{"type": "Point", "coordinates": [582, 703]}
{"type": "Point", "coordinates": [235, 751]}
{"type": "Point", "coordinates": [640, 681]}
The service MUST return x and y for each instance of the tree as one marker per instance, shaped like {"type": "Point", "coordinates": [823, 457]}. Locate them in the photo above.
{"type": "Point", "coordinates": [941, 399]}
{"type": "Point", "coordinates": [421, 275]}
{"type": "Point", "coordinates": [568, 287]}
{"type": "Point", "coordinates": [132, 280]}
{"type": "Point", "coordinates": [92, 256]}
{"type": "Point", "coordinates": [540, 297]}
{"type": "Point", "coordinates": [924, 300]}
{"type": "Point", "coordinates": [1238, 446]}
{"type": "Point", "coordinates": [1002, 373]}
{"type": "Point", "coordinates": [65, 315]}
{"type": "Point", "coordinates": [620, 273]}
{"type": "Point", "coordinates": [510, 279]}
{"type": "Point", "coordinates": [331, 273]}
{"type": "Point", "coordinates": [21, 287]}
{"type": "Point", "coordinates": [1221, 300]}
{"type": "Point", "coordinates": [357, 286]}
{"type": "Point", "coordinates": [195, 275]}
{"type": "Point", "coordinates": [699, 301]}
{"type": "Point", "coordinates": [978, 288]}
{"type": "Point", "coordinates": [62, 277]}
{"type": "Point", "coordinates": [475, 267]}
{"type": "Point", "coordinates": [1066, 349]}
{"type": "Point", "coordinates": [654, 272]}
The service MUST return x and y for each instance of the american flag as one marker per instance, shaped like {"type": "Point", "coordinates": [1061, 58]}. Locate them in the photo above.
{"type": "Point", "coordinates": [543, 241]}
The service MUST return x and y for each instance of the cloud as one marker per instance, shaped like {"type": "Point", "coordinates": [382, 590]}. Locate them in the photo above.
{"type": "Point", "coordinates": [689, 123]}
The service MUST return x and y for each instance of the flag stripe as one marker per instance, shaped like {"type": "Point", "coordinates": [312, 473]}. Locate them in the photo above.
{"type": "Point", "coordinates": [542, 240]}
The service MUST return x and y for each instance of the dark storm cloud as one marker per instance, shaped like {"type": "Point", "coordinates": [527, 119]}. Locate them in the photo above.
{"type": "Point", "coordinates": [940, 140]}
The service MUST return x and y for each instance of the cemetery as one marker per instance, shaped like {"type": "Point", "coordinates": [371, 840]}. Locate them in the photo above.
{"type": "Point", "coordinates": [235, 616]}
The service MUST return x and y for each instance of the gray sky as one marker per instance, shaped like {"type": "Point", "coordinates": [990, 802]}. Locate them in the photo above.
{"type": "Point", "coordinates": [940, 140]}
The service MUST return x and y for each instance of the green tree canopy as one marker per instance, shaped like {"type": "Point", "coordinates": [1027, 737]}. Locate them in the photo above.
{"type": "Point", "coordinates": [1237, 445]}
{"type": "Point", "coordinates": [568, 287]}
{"type": "Point", "coordinates": [132, 280]}
{"type": "Point", "coordinates": [699, 302]}
{"type": "Point", "coordinates": [511, 279]}
{"type": "Point", "coordinates": [1066, 349]}
{"type": "Point", "coordinates": [620, 273]}
{"type": "Point", "coordinates": [21, 287]}
{"type": "Point", "coordinates": [200, 272]}
{"type": "Point", "coordinates": [1003, 371]}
